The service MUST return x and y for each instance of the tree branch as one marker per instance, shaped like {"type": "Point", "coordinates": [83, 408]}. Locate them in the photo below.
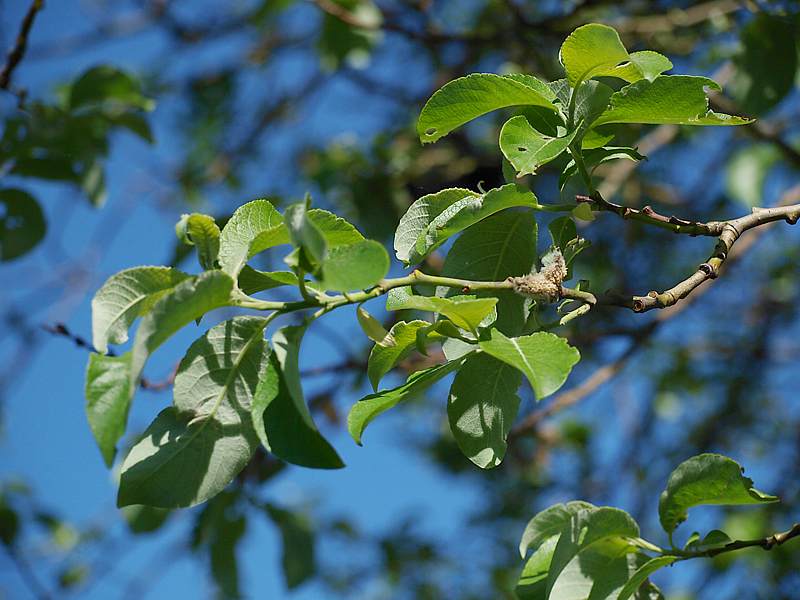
{"type": "Point", "coordinates": [766, 543]}
{"type": "Point", "coordinates": [18, 51]}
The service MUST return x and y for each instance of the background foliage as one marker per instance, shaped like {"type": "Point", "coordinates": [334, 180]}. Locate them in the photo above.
{"type": "Point", "coordinates": [275, 98]}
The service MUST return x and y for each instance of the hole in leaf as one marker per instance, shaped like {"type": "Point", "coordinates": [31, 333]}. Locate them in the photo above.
{"type": "Point", "coordinates": [430, 131]}
{"type": "Point", "coordinates": [522, 149]}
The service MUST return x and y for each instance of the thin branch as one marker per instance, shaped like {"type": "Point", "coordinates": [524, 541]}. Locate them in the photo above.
{"type": "Point", "coordinates": [18, 51]}
{"type": "Point", "coordinates": [766, 543]}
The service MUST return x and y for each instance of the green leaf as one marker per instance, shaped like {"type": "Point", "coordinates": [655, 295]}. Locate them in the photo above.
{"type": "Point", "coordinates": [336, 230]}
{"type": "Point", "coordinates": [548, 523]}
{"type": "Point", "coordinates": [252, 280]}
{"type": "Point", "coordinates": [280, 415]}
{"type": "Point", "coordinates": [467, 98]}
{"type": "Point", "coordinates": [532, 584]}
{"type": "Point", "coordinates": [459, 215]}
{"type": "Point", "coordinates": [591, 50]}
{"type": "Point", "coordinates": [253, 228]}
{"type": "Point", "coordinates": [642, 573]}
{"type": "Point", "coordinates": [527, 149]}
{"type": "Point", "coordinates": [467, 312]}
{"type": "Point", "coordinates": [186, 302]}
{"type": "Point", "coordinates": [504, 245]}
{"type": "Point", "coordinates": [297, 538]}
{"type": "Point", "coordinates": [595, 157]}
{"type": "Point", "coordinates": [373, 329]}
{"type": "Point", "coordinates": [110, 87]}
{"type": "Point", "coordinates": [305, 236]}
{"type": "Point", "coordinates": [643, 65]}
{"type": "Point", "coordinates": [713, 539]}
{"type": "Point", "coordinates": [93, 184]}
{"type": "Point", "coordinates": [108, 399]}
{"type": "Point", "coordinates": [364, 411]}
{"type": "Point", "coordinates": [746, 173]}
{"type": "Point", "coordinates": [482, 407]}
{"type": "Point", "coordinates": [544, 358]}
{"type": "Point", "coordinates": [124, 297]}
{"type": "Point", "coordinates": [588, 527]}
{"type": "Point", "coordinates": [383, 358]}
{"type": "Point", "coordinates": [669, 99]}
{"type": "Point", "coordinates": [766, 66]}
{"type": "Point", "coordinates": [192, 452]}
{"type": "Point", "coordinates": [599, 571]}
{"type": "Point", "coordinates": [22, 224]}
{"type": "Point", "coordinates": [355, 266]}
{"type": "Point", "coordinates": [705, 479]}
{"type": "Point", "coordinates": [202, 232]}
{"type": "Point", "coordinates": [419, 215]}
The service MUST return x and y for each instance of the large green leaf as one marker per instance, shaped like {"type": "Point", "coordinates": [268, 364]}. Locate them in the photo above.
{"type": "Point", "coordinates": [669, 99]}
{"type": "Point", "coordinates": [482, 407]}
{"type": "Point", "coordinates": [108, 394]}
{"type": "Point", "coordinates": [599, 571]}
{"type": "Point", "coordinates": [364, 411]}
{"type": "Point", "coordinates": [192, 452]}
{"type": "Point", "coordinates": [548, 523]}
{"type": "Point", "coordinates": [642, 573]}
{"type": "Point", "coordinates": [126, 296]}
{"type": "Point", "coordinates": [383, 358]}
{"type": "Point", "coordinates": [280, 415]}
{"type": "Point", "coordinates": [705, 479]}
{"type": "Point", "coordinates": [591, 50]}
{"type": "Point", "coordinates": [468, 312]}
{"type": "Point", "coordinates": [599, 527]}
{"type": "Point", "coordinates": [468, 211]}
{"type": "Point", "coordinates": [201, 231]}
{"type": "Point", "coordinates": [354, 266]}
{"type": "Point", "coordinates": [252, 280]}
{"type": "Point", "coordinates": [22, 224]}
{"type": "Point", "coordinates": [527, 149]}
{"type": "Point", "coordinates": [467, 98]}
{"type": "Point", "coordinates": [504, 245]}
{"type": "Point", "coordinates": [253, 228]}
{"type": "Point", "coordinates": [298, 545]}
{"type": "Point", "coordinates": [544, 358]}
{"type": "Point", "coordinates": [419, 215]}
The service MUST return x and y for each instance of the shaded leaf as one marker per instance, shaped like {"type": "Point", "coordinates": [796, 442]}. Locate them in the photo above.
{"type": "Point", "coordinates": [548, 523]}
{"type": "Point", "coordinates": [297, 538]}
{"type": "Point", "coordinates": [192, 452]}
{"type": "Point", "coordinates": [373, 329]}
{"type": "Point", "coordinates": [705, 479]}
{"type": "Point", "coordinates": [746, 173]}
{"type": "Point", "coordinates": [22, 224]}
{"type": "Point", "coordinates": [383, 357]}
{"type": "Point", "coordinates": [364, 411]}
{"type": "Point", "coordinates": [108, 399]}
{"type": "Point", "coordinates": [501, 246]}
{"type": "Point", "coordinates": [126, 296]}
{"type": "Point", "coordinates": [467, 312]}
{"type": "Point", "coordinates": [482, 406]}
{"type": "Point", "coordinates": [280, 415]}
{"type": "Point", "coordinates": [642, 573]}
